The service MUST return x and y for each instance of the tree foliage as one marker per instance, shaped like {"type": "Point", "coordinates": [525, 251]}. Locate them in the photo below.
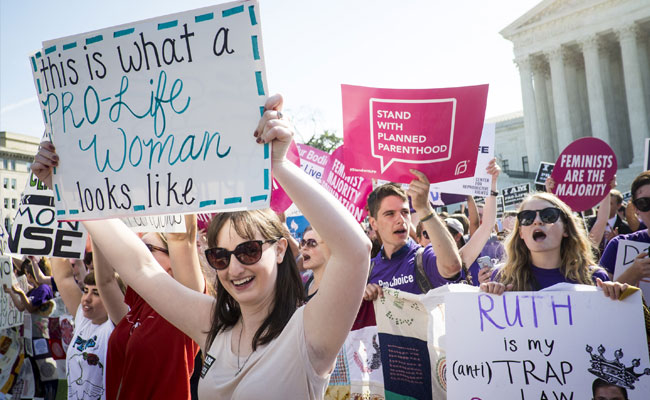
{"type": "Point", "coordinates": [327, 141]}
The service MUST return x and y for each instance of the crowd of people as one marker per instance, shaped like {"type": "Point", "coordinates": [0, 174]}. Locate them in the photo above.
{"type": "Point", "coordinates": [149, 323]}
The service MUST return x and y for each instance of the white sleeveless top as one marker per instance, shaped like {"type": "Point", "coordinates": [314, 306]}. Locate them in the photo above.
{"type": "Point", "coordinates": [278, 370]}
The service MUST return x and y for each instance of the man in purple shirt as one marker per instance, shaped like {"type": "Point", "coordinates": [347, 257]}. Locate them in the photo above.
{"type": "Point", "coordinates": [394, 266]}
{"type": "Point", "coordinates": [640, 269]}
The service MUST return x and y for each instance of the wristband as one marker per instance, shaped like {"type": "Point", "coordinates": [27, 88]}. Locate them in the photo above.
{"type": "Point", "coordinates": [428, 217]}
{"type": "Point", "coordinates": [494, 193]}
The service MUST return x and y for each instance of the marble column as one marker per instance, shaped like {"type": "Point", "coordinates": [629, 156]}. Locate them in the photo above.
{"type": "Point", "coordinates": [597, 110]}
{"type": "Point", "coordinates": [560, 99]}
{"type": "Point", "coordinates": [544, 130]}
{"type": "Point", "coordinates": [634, 91]}
{"type": "Point", "coordinates": [530, 112]}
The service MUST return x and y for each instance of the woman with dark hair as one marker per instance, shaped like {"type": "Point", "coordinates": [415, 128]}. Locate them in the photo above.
{"type": "Point", "coordinates": [548, 245]}
{"type": "Point", "coordinates": [255, 332]}
{"type": "Point", "coordinates": [315, 255]}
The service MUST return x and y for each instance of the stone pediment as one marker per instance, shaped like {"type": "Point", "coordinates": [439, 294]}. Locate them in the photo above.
{"type": "Point", "coordinates": [546, 12]}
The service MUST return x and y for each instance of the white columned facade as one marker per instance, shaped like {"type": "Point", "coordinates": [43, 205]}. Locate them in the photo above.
{"type": "Point", "coordinates": [530, 111]}
{"type": "Point", "coordinates": [560, 98]}
{"type": "Point", "coordinates": [634, 90]}
{"type": "Point", "coordinates": [544, 130]}
{"type": "Point", "coordinates": [597, 110]}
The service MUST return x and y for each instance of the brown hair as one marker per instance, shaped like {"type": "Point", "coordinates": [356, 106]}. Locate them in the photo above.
{"type": "Point", "coordinates": [288, 293]}
{"type": "Point", "coordinates": [381, 192]}
{"type": "Point", "coordinates": [641, 180]}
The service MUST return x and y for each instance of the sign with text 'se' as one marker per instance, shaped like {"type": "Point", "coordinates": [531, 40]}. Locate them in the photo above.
{"type": "Point", "coordinates": [157, 116]}
{"type": "Point", "coordinates": [389, 131]}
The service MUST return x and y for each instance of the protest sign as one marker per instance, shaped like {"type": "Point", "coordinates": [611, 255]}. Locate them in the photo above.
{"type": "Point", "coordinates": [582, 173]}
{"type": "Point", "coordinates": [157, 116]}
{"type": "Point", "coordinates": [297, 225]}
{"type": "Point", "coordinates": [313, 161]}
{"type": "Point", "coordinates": [545, 344]}
{"type": "Point", "coordinates": [627, 196]}
{"type": "Point", "coordinates": [625, 255]}
{"type": "Point", "coordinates": [501, 206]}
{"type": "Point", "coordinates": [156, 223]}
{"type": "Point", "coordinates": [543, 172]}
{"type": "Point", "coordinates": [351, 191]}
{"type": "Point", "coordinates": [280, 201]}
{"type": "Point", "coordinates": [513, 195]}
{"type": "Point", "coordinates": [203, 221]}
{"type": "Point", "coordinates": [386, 132]}
{"type": "Point", "coordinates": [35, 230]}
{"type": "Point", "coordinates": [11, 360]}
{"type": "Point", "coordinates": [4, 235]}
{"type": "Point", "coordinates": [9, 315]}
{"type": "Point", "coordinates": [480, 183]}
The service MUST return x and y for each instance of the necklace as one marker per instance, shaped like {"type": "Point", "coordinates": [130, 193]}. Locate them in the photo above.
{"type": "Point", "coordinates": [238, 348]}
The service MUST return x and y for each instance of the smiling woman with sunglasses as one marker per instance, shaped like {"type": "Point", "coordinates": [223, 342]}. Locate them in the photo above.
{"type": "Point", "coordinates": [548, 245]}
{"type": "Point", "coordinates": [257, 339]}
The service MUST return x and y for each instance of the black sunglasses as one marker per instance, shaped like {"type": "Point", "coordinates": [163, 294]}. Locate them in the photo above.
{"type": "Point", "coordinates": [309, 243]}
{"type": "Point", "coordinates": [548, 215]}
{"type": "Point", "coordinates": [425, 234]}
{"type": "Point", "coordinates": [642, 204]}
{"type": "Point", "coordinates": [247, 253]}
{"type": "Point", "coordinates": [153, 247]}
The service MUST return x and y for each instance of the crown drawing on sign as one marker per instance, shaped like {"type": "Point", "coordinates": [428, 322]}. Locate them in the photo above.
{"type": "Point", "coordinates": [614, 371]}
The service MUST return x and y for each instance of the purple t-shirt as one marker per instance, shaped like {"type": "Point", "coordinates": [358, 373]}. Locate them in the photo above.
{"type": "Point", "coordinates": [608, 260]}
{"type": "Point", "coordinates": [549, 277]}
{"type": "Point", "coordinates": [40, 295]}
{"type": "Point", "coordinates": [399, 271]}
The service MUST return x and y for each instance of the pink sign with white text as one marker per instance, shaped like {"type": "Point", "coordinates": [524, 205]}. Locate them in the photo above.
{"type": "Point", "coordinates": [389, 131]}
{"type": "Point", "coordinates": [351, 191]}
{"type": "Point", "coordinates": [313, 161]}
{"type": "Point", "coordinates": [280, 201]}
{"type": "Point", "coordinates": [582, 173]}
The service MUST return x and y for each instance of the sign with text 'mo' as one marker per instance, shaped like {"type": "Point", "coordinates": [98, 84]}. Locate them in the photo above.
{"type": "Point", "coordinates": [582, 173]}
{"type": "Point", "coordinates": [389, 131]}
{"type": "Point", "coordinates": [157, 116]}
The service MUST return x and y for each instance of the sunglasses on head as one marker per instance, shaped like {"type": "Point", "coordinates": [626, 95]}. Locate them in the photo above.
{"type": "Point", "coordinates": [642, 204]}
{"type": "Point", "coordinates": [153, 247]}
{"type": "Point", "coordinates": [309, 243]}
{"type": "Point", "coordinates": [247, 253]}
{"type": "Point", "coordinates": [548, 215]}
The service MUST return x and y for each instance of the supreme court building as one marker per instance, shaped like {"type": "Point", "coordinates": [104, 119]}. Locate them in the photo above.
{"type": "Point", "coordinates": [585, 71]}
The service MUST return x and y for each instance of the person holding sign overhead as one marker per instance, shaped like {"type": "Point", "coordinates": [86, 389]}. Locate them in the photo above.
{"type": "Point", "coordinates": [255, 331]}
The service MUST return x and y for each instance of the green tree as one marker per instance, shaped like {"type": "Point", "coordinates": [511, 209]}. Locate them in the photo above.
{"type": "Point", "coordinates": [327, 141]}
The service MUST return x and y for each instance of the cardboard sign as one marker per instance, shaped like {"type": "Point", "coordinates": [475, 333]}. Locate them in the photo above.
{"type": "Point", "coordinates": [389, 131]}
{"type": "Point", "coordinates": [351, 191]}
{"type": "Point", "coordinates": [501, 206]}
{"type": "Point", "coordinates": [625, 255]}
{"type": "Point", "coordinates": [313, 161]}
{"type": "Point", "coordinates": [156, 223]}
{"type": "Point", "coordinates": [35, 230]}
{"type": "Point", "coordinates": [544, 345]}
{"type": "Point", "coordinates": [157, 116]}
{"type": "Point", "coordinates": [9, 314]}
{"type": "Point", "coordinates": [480, 183]}
{"type": "Point", "coordinates": [543, 172]}
{"type": "Point", "coordinates": [582, 173]}
{"type": "Point", "coordinates": [513, 195]}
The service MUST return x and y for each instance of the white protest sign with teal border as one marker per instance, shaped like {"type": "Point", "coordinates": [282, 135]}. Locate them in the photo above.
{"type": "Point", "coordinates": [157, 116]}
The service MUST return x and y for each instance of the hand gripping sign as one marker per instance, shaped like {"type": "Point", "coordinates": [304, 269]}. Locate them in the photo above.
{"type": "Point", "coordinates": [389, 131]}
{"type": "Point", "coordinates": [582, 173]}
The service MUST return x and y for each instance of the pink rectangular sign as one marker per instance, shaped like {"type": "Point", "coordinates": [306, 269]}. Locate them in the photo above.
{"type": "Point", "coordinates": [389, 131]}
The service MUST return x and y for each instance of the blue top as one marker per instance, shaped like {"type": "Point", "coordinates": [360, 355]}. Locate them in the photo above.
{"type": "Point", "coordinates": [608, 260]}
{"type": "Point", "coordinates": [398, 272]}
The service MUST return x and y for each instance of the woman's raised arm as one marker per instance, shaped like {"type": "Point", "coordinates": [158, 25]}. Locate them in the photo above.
{"type": "Point", "coordinates": [329, 315]}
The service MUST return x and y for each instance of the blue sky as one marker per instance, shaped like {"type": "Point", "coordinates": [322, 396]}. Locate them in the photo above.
{"type": "Point", "coordinates": [310, 47]}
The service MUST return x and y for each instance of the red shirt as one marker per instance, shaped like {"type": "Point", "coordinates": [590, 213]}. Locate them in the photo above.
{"type": "Point", "coordinates": [148, 358]}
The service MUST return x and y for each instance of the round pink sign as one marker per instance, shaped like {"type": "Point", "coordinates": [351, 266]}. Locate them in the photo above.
{"type": "Point", "coordinates": [582, 173]}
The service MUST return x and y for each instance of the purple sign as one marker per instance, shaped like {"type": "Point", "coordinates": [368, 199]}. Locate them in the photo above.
{"type": "Point", "coordinates": [582, 173]}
